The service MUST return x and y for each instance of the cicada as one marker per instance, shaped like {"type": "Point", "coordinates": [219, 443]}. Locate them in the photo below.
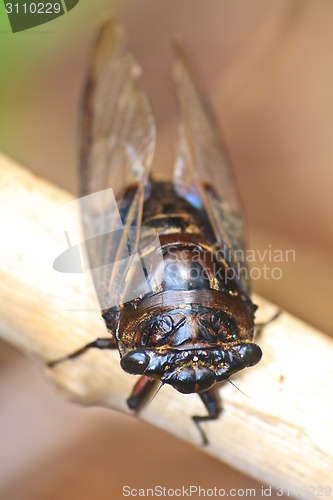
{"type": "Point", "coordinates": [167, 255]}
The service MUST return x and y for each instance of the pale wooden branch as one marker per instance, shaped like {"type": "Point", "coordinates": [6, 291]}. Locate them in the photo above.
{"type": "Point", "coordinates": [280, 432]}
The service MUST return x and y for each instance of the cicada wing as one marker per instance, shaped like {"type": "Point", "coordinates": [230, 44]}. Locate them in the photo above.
{"type": "Point", "coordinates": [202, 170]}
{"type": "Point", "coordinates": [117, 147]}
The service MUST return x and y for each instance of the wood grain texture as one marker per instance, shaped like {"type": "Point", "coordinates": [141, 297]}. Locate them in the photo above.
{"type": "Point", "coordinates": [279, 429]}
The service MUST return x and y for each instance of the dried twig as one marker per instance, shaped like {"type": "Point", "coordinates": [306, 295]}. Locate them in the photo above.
{"type": "Point", "coordinates": [280, 432]}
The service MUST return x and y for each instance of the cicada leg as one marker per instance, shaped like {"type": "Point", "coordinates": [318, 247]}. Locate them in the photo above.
{"type": "Point", "coordinates": [108, 343]}
{"type": "Point", "coordinates": [259, 327]}
{"type": "Point", "coordinates": [143, 389]}
{"type": "Point", "coordinates": [211, 401]}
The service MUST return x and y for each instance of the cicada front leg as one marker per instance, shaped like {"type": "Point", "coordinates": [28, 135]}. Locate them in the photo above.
{"type": "Point", "coordinates": [107, 343]}
{"type": "Point", "coordinates": [143, 390]}
{"type": "Point", "coordinates": [211, 401]}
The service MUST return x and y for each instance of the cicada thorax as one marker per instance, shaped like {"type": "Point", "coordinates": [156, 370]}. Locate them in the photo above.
{"type": "Point", "coordinates": [194, 327]}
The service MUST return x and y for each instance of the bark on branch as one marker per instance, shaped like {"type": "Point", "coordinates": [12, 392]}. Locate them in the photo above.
{"type": "Point", "coordinates": [280, 431]}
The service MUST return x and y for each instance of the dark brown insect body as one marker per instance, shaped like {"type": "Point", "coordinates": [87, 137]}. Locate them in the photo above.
{"type": "Point", "coordinates": [178, 310]}
{"type": "Point", "coordinates": [194, 330]}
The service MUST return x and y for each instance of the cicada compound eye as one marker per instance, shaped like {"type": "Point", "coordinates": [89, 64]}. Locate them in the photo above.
{"type": "Point", "coordinates": [251, 354]}
{"type": "Point", "coordinates": [135, 362]}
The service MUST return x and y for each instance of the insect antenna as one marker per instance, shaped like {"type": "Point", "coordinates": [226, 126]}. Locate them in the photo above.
{"type": "Point", "coordinates": [238, 389]}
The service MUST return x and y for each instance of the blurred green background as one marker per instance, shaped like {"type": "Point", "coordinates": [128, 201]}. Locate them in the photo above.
{"type": "Point", "coordinates": [36, 67]}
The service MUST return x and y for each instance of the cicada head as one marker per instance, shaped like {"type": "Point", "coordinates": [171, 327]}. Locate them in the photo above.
{"type": "Point", "coordinates": [190, 345]}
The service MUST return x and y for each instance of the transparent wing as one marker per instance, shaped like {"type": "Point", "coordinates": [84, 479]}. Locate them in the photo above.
{"type": "Point", "coordinates": [202, 170]}
{"type": "Point", "coordinates": [117, 146]}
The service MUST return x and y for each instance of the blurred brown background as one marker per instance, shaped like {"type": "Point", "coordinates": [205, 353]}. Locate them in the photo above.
{"type": "Point", "coordinates": [267, 68]}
